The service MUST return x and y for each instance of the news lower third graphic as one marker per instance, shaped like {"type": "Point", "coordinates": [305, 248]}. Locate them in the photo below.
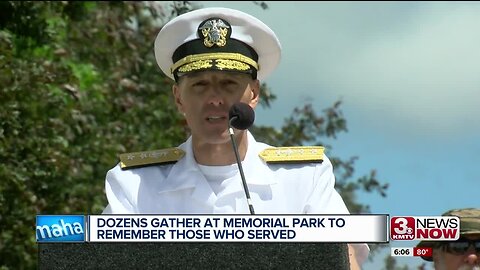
{"type": "Point", "coordinates": [60, 228]}
{"type": "Point", "coordinates": [248, 228]}
{"type": "Point", "coordinates": [213, 228]}
{"type": "Point", "coordinates": [238, 228]}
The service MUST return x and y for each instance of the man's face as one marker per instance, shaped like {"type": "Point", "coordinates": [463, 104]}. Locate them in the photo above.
{"type": "Point", "coordinates": [205, 99]}
{"type": "Point", "coordinates": [455, 257]}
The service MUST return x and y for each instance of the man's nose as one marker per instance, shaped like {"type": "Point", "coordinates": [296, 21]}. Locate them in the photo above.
{"type": "Point", "coordinates": [216, 97]}
{"type": "Point", "coordinates": [472, 259]}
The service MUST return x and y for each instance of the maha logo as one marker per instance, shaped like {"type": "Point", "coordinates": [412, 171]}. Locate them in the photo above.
{"type": "Point", "coordinates": [65, 228]}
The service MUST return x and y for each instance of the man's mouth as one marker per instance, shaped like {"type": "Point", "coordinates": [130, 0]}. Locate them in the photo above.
{"type": "Point", "coordinates": [215, 118]}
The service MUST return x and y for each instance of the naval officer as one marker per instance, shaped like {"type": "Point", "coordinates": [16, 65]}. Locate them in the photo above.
{"type": "Point", "coordinates": [217, 57]}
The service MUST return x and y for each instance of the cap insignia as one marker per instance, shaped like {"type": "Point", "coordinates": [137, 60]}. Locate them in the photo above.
{"type": "Point", "coordinates": [146, 158]}
{"type": "Point", "coordinates": [295, 154]}
{"type": "Point", "coordinates": [215, 32]}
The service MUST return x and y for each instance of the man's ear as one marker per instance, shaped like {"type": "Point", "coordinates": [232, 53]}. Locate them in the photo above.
{"type": "Point", "coordinates": [177, 95]}
{"type": "Point", "coordinates": [255, 93]}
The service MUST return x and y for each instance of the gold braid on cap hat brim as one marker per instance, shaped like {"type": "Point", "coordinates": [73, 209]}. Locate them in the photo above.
{"type": "Point", "coordinates": [213, 56]}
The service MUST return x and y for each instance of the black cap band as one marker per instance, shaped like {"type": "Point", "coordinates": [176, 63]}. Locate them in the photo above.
{"type": "Point", "coordinates": [214, 50]}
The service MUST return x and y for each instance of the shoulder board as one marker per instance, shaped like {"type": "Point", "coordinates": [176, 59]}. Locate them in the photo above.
{"type": "Point", "coordinates": [295, 154]}
{"type": "Point", "coordinates": [146, 158]}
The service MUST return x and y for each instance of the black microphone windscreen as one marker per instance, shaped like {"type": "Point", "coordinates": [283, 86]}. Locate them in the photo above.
{"type": "Point", "coordinates": [243, 115]}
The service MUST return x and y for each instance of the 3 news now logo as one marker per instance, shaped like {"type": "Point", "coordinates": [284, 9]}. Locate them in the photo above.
{"type": "Point", "coordinates": [425, 228]}
{"type": "Point", "coordinates": [64, 228]}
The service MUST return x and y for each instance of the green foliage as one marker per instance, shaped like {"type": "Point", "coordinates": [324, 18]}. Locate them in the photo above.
{"type": "Point", "coordinates": [391, 264]}
{"type": "Point", "coordinates": [79, 85]}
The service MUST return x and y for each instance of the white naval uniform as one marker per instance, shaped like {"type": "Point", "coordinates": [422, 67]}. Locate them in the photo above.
{"type": "Point", "coordinates": [181, 188]}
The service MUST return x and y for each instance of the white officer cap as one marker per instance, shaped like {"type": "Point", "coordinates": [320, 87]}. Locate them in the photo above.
{"type": "Point", "coordinates": [219, 39]}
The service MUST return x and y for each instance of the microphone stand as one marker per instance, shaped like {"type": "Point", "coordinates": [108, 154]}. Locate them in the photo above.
{"type": "Point", "coordinates": [244, 182]}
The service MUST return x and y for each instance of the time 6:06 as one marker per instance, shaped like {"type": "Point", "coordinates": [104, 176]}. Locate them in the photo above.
{"type": "Point", "coordinates": [401, 251]}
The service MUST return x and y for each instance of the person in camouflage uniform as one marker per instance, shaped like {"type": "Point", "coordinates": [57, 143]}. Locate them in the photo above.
{"type": "Point", "coordinates": [464, 253]}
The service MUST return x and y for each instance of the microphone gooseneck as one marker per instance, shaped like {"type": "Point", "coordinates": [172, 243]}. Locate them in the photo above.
{"type": "Point", "coordinates": [241, 116]}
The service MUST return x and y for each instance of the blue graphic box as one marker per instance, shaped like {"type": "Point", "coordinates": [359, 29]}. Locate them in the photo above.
{"type": "Point", "coordinates": [60, 228]}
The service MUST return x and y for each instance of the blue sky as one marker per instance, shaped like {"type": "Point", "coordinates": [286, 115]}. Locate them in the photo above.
{"type": "Point", "coordinates": [408, 74]}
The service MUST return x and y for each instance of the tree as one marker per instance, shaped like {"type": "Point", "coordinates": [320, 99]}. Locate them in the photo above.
{"type": "Point", "coordinates": [79, 85]}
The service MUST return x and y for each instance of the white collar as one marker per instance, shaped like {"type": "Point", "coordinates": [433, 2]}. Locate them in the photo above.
{"type": "Point", "coordinates": [186, 173]}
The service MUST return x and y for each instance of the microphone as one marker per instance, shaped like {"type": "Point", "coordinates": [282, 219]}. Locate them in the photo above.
{"type": "Point", "coordinates": [241, 116]}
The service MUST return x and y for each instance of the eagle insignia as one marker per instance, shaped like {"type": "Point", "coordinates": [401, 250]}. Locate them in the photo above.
{"type": "Point", "coordinates": [215, 32]}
